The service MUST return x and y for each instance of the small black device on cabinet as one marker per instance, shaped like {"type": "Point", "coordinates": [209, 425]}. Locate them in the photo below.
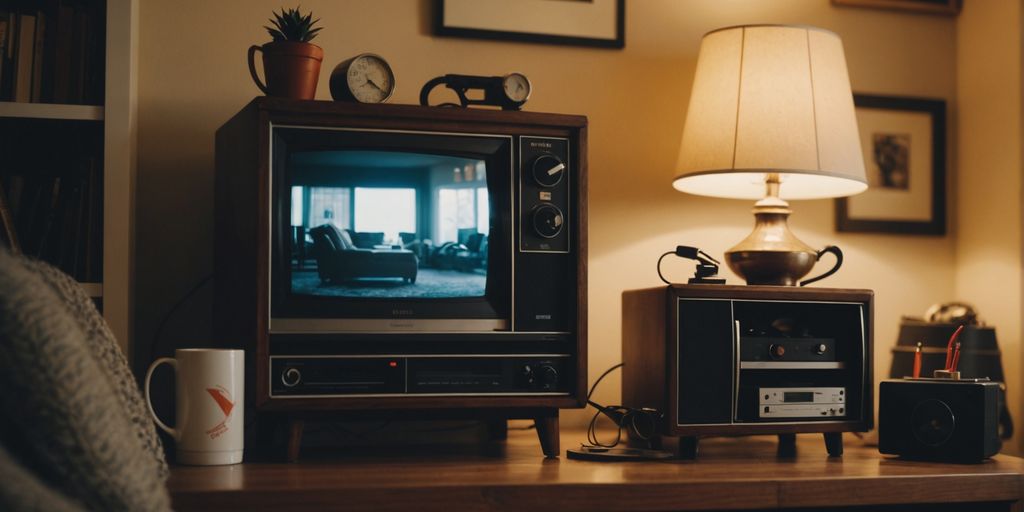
{"type": "Point", "coordinates": [939, 419]}
{"type": "Point", "coordinates": [509, 92]}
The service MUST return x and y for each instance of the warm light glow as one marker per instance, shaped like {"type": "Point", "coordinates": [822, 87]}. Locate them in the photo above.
{"type": "Point", "coordinates": [771, 99]}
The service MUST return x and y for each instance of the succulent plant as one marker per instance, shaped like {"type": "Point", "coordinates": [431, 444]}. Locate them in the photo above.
{"type": "Point", "coordinates": [291, 25]}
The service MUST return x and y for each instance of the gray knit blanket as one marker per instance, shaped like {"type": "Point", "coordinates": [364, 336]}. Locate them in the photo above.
{"type": "Point", "coordinates": [75, 433]}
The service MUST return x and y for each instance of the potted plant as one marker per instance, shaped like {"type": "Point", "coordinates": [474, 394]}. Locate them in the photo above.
{"type": "Point", "coordinates": [291, 63]}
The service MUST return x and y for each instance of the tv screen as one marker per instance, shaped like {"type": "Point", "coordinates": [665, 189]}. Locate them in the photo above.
{"type": "Point", "coordinates": [383, 224]}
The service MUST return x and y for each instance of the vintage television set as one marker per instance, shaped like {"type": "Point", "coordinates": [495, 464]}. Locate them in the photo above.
{"type": "Point", "coordinates": [397, 260]}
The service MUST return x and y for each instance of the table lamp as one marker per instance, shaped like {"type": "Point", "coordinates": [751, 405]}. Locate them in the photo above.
{"type": "Point", "coordinates": [771, 117]}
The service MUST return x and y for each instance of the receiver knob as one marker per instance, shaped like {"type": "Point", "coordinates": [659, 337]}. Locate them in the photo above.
{"type": "Point", "coordinates": [821, 348]}
{"type": "Point", "coordinates": [528, 376]}
{"type": "Point", "coordinates": [548, 380]}
{"type": "Point", "coordinates": [548, 170]}
{"type": "Point", "coordinates": [777, 351]}
{"type": "Point", "coordinates": [291, 377]}
{"type": "Point", "coordinates": [548, 220]}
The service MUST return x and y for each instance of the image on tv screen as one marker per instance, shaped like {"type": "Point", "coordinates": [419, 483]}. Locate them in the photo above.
{"type": "Point", "coordinates": [388, 224]}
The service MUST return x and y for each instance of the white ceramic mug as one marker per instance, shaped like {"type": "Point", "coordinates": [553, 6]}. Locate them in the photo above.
{"type": "Point", "coordinates": [210, 404]}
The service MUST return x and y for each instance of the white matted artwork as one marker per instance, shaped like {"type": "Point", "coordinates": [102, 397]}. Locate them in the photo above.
{"type": "Point", "coordinates": [573, 22]}
{"type": "Point", "coordinates": [903, 140]}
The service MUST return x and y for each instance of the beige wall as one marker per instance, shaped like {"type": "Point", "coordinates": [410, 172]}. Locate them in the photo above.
{"type": "Point", "coordinates": [988, 242]}
{"type": "Point", "coordinates": [193, 77]}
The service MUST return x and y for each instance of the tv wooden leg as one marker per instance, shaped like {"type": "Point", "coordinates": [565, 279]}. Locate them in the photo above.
{"type": "Point", "coordinates": [547, 432]}
{"type": "Point", "coordinates": [834, 444]}
{"type": "Point", "coordinates": [787, 446]}
{"type": "Point", "coordinates": [295, 427]}
{"type": "Point", "coordinates": [688, 447]}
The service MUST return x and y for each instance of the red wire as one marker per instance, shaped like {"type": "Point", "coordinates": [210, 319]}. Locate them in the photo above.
{"type": "Point", "coordinates": [917, 361]}
{"type": "Point", "coordinates": [956, 358]}
{"type": "Point", "coordinates": [949, 347]}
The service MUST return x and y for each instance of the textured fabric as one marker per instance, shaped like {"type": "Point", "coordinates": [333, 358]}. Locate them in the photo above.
{"type": "Point", "coordinates": [21, 490]}
{"type": "Point", "coordinates": [105, 349]}
{"type": "Point", "coordinates": [68, 409]}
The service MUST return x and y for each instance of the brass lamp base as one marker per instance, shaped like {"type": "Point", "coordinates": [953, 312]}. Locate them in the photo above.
{"type": "Point", "coordinates": [771, 254]}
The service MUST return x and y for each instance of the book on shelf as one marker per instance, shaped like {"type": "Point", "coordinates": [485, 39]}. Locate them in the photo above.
{"type": "Point", "coordinates": [52, 51]}
{"type": "Point", "coordinates": [23, 50]}
{"type": "Point", "coordinates": [6, 38]}
{"type": "Point", "coordinates": [7, 232]}
{"type": "Point", "coordinates": [62, 48]}
{"type": "Point", "coordinates": [57, 216]}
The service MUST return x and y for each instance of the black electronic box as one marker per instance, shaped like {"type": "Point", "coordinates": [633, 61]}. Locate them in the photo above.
{"type": "Point", "coordinates": [939, 419]}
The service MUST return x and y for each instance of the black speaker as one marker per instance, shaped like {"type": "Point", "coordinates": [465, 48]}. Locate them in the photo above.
{"type": "Point", "coordinates": [939, 419]}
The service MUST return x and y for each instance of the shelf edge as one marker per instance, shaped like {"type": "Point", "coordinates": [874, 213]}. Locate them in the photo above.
{"type": "Point", "coordinates": [51, 111]}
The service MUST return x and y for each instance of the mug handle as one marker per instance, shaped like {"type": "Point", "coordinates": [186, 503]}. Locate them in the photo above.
{"type": "Point", "coordinates": [839, 262]}
{"type": "Point", "coordinates": [252, 70]}
{"type": "Point", "coordinates": [149, 374]}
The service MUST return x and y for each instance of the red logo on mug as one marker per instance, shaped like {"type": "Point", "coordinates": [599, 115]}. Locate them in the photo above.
{"type": "Point", "coordinates": [226, 404]}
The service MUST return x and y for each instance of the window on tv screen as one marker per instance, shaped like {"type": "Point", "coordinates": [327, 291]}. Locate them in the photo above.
{"type": "Point", "coordinates": [388, 224]}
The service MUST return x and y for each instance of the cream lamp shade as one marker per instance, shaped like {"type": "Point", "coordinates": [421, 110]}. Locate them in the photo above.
{"type": "Point", "coordinates": [771, 99]}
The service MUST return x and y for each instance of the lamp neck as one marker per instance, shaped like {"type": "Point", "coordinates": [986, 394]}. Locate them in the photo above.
{"type": "Point", "coordinates": [771, 184]}
{"type": "Point", "coordinates": [771, 199]}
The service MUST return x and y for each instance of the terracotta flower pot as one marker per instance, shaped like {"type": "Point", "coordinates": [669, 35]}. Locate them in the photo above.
{"type": "Point", "coordinates": [292, 69]}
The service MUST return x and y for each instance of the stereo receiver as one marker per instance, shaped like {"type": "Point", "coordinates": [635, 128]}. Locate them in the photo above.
{"type": "Point", "coordinates": [735, 360]}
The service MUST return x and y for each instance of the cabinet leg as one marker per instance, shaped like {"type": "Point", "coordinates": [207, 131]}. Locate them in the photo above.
{"type": "Point", "coordinates": [497, 430]}
{"type": "Point", "coordinates": [295, 427]}
{"type": "Point", "coordinates": [834, 444]}
{"type": "Point", "coordinates": [787, 446]}
{"type": "Point", "coordinates": [547, 432]}
{"type": "Point", "coordinates": [688, 446]}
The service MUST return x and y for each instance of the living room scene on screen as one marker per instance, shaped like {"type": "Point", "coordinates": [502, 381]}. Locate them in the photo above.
{"type": "Point", "coordinates": [388, 224]}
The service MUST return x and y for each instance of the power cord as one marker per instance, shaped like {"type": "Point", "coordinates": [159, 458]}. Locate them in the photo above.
{"type": "Point", "coordinates": [641, 422]}
{"type": "Point", "coordinates": [155, 344]}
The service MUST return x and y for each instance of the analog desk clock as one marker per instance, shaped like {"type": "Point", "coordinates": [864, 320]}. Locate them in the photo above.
{"type": "Point", "coordinates": [517, 88]}
{"type": "Point", "coordinates": [365, 78]}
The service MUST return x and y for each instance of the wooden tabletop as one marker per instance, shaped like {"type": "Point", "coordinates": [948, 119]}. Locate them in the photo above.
{"type": "Point", "coordinates": [731, 473]}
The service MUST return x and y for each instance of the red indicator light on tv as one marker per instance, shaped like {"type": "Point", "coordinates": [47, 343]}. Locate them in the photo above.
{"type": "Point", "coordinates": [393, 364]}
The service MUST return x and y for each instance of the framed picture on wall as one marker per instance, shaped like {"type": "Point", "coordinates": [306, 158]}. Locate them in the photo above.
{"type": "Point", "coordinates": [948, 7]}
{"type": "Point", "coordinates": [904, 145]}
{"type": "Point", "coordinates": [572, 22]}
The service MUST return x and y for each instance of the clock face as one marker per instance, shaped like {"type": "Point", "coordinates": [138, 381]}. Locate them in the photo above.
{"type": "Point", "coordinates": [516, 87]}
{"type": "Point", "coordinates": [370, 79]}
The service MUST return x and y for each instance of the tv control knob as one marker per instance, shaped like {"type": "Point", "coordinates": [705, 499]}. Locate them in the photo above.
{"type": "Point", "coordinates": [548, 220]}
{"type": "Point", "coordinates": [548, 170]}
{"type": "Point", "coordinates": [548, 378]}
{"type": "Point", "coordinates": [777, 351]}
{"type": "Point", "coordinates": [529, 377]}
{"type": "Point", "coordinates": [291, 377]}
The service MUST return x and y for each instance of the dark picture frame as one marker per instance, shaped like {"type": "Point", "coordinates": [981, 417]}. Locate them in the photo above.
{"type": "Point", "coordinates": [946, 7]}
{"type": "Point", "coordinates": [915, 201]}
{"type": "Point", "coordinates": [477, 27]}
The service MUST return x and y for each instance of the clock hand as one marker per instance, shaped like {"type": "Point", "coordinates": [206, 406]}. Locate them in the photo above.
{"type": "Point", "coordinates": [370, 81]}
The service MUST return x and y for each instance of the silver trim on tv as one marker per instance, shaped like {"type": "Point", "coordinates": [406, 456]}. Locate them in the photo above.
{"type": "Point", "coordinates": [369, 325]}
{"type": "Point", "coordinates": [417, 395]}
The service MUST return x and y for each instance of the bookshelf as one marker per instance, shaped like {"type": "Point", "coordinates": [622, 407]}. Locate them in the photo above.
{"type": "Point", "coordinates": [105, 134]}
